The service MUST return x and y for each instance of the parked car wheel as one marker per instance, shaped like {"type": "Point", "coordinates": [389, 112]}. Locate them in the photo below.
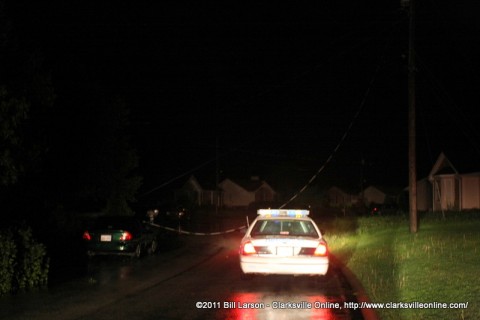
{"type": "Point", "coordinates": [153, 247]}
{"type": "Point", "coordinates": [138, 251]}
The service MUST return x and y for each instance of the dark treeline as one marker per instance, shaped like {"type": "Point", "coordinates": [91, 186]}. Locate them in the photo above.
{"type": "Point", "coordinates": [62, 151]}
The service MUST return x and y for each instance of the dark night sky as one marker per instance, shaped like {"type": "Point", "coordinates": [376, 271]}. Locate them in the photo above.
{"type": "Point", "coordinates": [275, 87]}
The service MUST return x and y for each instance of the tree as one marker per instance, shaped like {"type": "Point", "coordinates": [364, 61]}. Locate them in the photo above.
{"type": "Point", "coordinates": [26, 91]}
{"type": "Point", "coordinates": [100, 157]}
{"type": "Point", "coordinates": [13, 112]}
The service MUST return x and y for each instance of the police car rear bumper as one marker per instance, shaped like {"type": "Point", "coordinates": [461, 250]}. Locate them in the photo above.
{"type": "Point", "coordinates": [285, 265]}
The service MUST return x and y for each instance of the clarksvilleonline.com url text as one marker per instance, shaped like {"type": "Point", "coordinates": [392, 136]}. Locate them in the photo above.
{"type": "Point", "coordinates": [328, 305]}
{"type": "Point", "coordinates": [405, 305]}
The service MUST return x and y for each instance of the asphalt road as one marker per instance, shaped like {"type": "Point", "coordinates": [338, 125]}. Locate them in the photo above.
{"type": "Point", "coordinates": [200, 279]}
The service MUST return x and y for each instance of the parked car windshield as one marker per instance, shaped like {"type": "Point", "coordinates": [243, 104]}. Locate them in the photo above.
{"type": "Point", "coordinates": [283, 227]}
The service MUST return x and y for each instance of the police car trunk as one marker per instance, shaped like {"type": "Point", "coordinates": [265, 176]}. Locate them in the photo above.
{"type": "Point", "coordinates": [284, 242]}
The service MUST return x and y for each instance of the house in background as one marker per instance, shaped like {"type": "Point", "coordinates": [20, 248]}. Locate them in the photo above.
{"type": "Point", "coordinates": [371, 195]}
{"type": "Point", "coordinates": [193, 192]}
{"type": "Point", "coordinates": [243, 193]}
{"type": "Point", "coordinates": [447, 189]}
{"type": "Point", "coordinates": [470, 191]}
{"type": "Point", "coordinates": [339, 198]}
{"type": "Point", "coordinates": [380, 195]}
{"type": "Point", "coordinates": [445, 181]}
{"type": "Point", "coordinates": [229, 193]}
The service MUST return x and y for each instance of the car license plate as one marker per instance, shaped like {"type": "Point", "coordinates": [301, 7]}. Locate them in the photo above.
{"type": "Point", "coordinates": [106, 237]}
{"type": "Point", "coordinates": [284, 251]}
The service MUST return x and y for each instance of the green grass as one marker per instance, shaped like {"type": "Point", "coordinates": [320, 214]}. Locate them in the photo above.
{"type": "Point", "coordinates": [440, 263]}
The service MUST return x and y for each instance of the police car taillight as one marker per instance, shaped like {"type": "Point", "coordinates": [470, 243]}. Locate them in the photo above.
{"type": "Point", "coordinates": [248, 248]}
{"type": "Point", "coordinates": [321, 250]}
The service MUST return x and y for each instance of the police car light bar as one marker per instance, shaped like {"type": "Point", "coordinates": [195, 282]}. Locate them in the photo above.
{"type": "Point", "coordinates": [283, 213]}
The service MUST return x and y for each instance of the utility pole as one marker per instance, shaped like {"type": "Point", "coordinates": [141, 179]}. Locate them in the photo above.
{"type": "Point", "coordinates": [412, 167]}
{"type": "Point", "coordinates": [362, 172]}
{"type": "Point", "coordinates": [216, 196]}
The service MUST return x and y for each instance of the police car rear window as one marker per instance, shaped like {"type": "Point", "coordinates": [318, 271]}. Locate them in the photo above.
{"type": "Point", "coordinates": [283, 227]}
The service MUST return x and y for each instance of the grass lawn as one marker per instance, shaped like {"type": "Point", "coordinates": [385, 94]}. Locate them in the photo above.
{"type": "Point", "coordinates": [440, 263]}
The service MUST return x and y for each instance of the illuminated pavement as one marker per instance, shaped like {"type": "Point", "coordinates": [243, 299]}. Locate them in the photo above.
{"type": "Point", "coordinates": [199, 280]}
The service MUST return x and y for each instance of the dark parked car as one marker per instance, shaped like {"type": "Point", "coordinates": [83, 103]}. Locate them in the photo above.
{"type": "Point", "coordinates": [120, 235]}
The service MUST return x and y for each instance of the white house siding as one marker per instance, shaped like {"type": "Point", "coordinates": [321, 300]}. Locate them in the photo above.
{"type": "Point", "coordinates": [470, 192]}
{"type": "Point", "coordinates": [446, 193]}
{"type": "Point", "coordinates": [264, 194]}
{"type": "Point", "coordinates": [209, 197]}
{"type": "Point", "coordinates": [373, 195]}
{"type": "Point", "coordinates": [339, 198]}
{"type": "Point", "coordinates": [234, 195]}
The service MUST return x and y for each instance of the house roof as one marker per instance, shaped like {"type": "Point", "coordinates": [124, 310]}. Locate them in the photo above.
{"type": "Point", "coordinates": [386, 190]}
{"type": "Point", "coordinates": [462, 159]}
{"type": "Point", "coordinates": [346, 191]}
{"type": "Point", "coordinates": [442, 166]}
{"type": "Point", "coordinates": [250, 185]}
{"type": "Point", "coordinates": [203, 184]}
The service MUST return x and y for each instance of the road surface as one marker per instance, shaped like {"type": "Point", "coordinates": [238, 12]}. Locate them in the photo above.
{"type": "Point", "coordinates": [200, 279]}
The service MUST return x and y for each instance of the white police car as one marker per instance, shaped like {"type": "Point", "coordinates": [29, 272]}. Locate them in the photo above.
{"type": "Point", "coordinates": [283, 241]}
